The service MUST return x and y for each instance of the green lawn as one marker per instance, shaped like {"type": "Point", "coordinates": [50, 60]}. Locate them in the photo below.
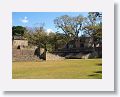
{"type": "Point", "coordinates": [65, 69]}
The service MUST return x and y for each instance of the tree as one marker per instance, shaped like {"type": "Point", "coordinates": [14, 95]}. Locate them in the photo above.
{"type": "Point", "coordinates": [51, 41]}
{"type": "Point", "coordinates": [18, 30]}
{"type": "Point", "coordinates": [93, 27]}
{"type": "Point", "coordinates": [61, 40]}
{"type": "Point", "coordinates": [29, 35]}
{"type": "Point", "coordinates": [71, 26]}
{"type": "Point", "coordinates": [40, 36]}
{"type": "Point", "coordinates": [56, 41]}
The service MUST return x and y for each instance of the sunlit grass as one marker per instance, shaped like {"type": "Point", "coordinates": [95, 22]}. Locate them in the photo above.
{"type": "Point", "coordinates": [64, 69]}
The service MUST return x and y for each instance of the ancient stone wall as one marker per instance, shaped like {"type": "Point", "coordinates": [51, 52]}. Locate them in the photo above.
{"type": "Point", "coordinates": [24, 55]}
{"type": "Point", "coordinates": [20, 43]}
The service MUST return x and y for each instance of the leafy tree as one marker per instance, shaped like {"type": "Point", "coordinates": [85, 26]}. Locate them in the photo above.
{"type": "Point", "coordinates": [29, 35]}
{"type": "Point", "coordinates": [71, 26]}
{"type": "Point", "coordinates": [39, 36]}
{"type": "Point", "coordinates": [61, 40]}
{"type": "Point", "coordinates": [18, 30]}
{"type": "Point", "coordinates": [56, 40]}
{"type": "Point", "coordinates": [51, 41]}
{"type": "Point", "coordinates": [93, 27]}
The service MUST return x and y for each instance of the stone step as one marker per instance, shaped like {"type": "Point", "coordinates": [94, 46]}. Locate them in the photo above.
{"type": "Point", "coordinates": [26, 58]}
{"type": "Point", "coordinates": [50, 56]}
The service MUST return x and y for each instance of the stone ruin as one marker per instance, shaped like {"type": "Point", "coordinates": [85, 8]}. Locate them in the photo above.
{"type": "Point", "coordinates": [72, 50]}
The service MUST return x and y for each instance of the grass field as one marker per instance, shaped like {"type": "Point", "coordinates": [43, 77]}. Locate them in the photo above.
{"type": "Point", "coordinates": [67, 69]}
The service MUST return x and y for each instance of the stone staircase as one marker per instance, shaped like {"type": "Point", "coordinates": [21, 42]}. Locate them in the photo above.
{"type": "Point", "coordinates": [24, 55]}
{"type": "Point", "coordinates": [28, 55]}
{"type": "Point", "coordinates": [50, 56]}
{"type": "Point", "coordinates": [26, 58]}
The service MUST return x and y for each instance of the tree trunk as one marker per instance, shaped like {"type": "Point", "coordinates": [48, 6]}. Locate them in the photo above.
{"type": "Point", "coordinates": [95, 53]}
{"type": "Point", "coordinates": [44, 54]}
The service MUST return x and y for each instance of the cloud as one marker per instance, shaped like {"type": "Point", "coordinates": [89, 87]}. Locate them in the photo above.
{"type": "Point", "coordinates": [25, 20]}
{"type": "Point", "coordinates": [49, 30]}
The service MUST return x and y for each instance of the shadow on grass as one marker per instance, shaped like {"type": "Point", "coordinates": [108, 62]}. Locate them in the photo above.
{"type": "Point", "coordinates": [96, 74]}
{"type": "Point", "coordinates": [99, 72]}
{"type": "Point", "coordinates": [99, 64]}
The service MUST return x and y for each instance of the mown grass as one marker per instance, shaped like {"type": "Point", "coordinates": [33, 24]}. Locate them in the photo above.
{"type": "Point", "coordinates": [64, 69]}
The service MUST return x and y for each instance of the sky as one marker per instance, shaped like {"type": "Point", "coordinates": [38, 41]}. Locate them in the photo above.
{"type": "Point", "coordinates": [32, 19]}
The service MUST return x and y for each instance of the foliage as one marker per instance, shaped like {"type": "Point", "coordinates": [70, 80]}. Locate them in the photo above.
{"type": "Point", "coordinates": [40, 36]}
{"type": "Point", "coordinates": [18, 30]}
{"type": "Point", "coordinates": [90, 26]}
{"type": "Point", "coordinates": [71, 26]}
{"type": "Point", "coordinates": [93, 27]}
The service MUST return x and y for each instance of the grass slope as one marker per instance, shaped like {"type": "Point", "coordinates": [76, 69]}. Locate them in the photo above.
{"type": "Point", "coordinates": [67, 69]}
